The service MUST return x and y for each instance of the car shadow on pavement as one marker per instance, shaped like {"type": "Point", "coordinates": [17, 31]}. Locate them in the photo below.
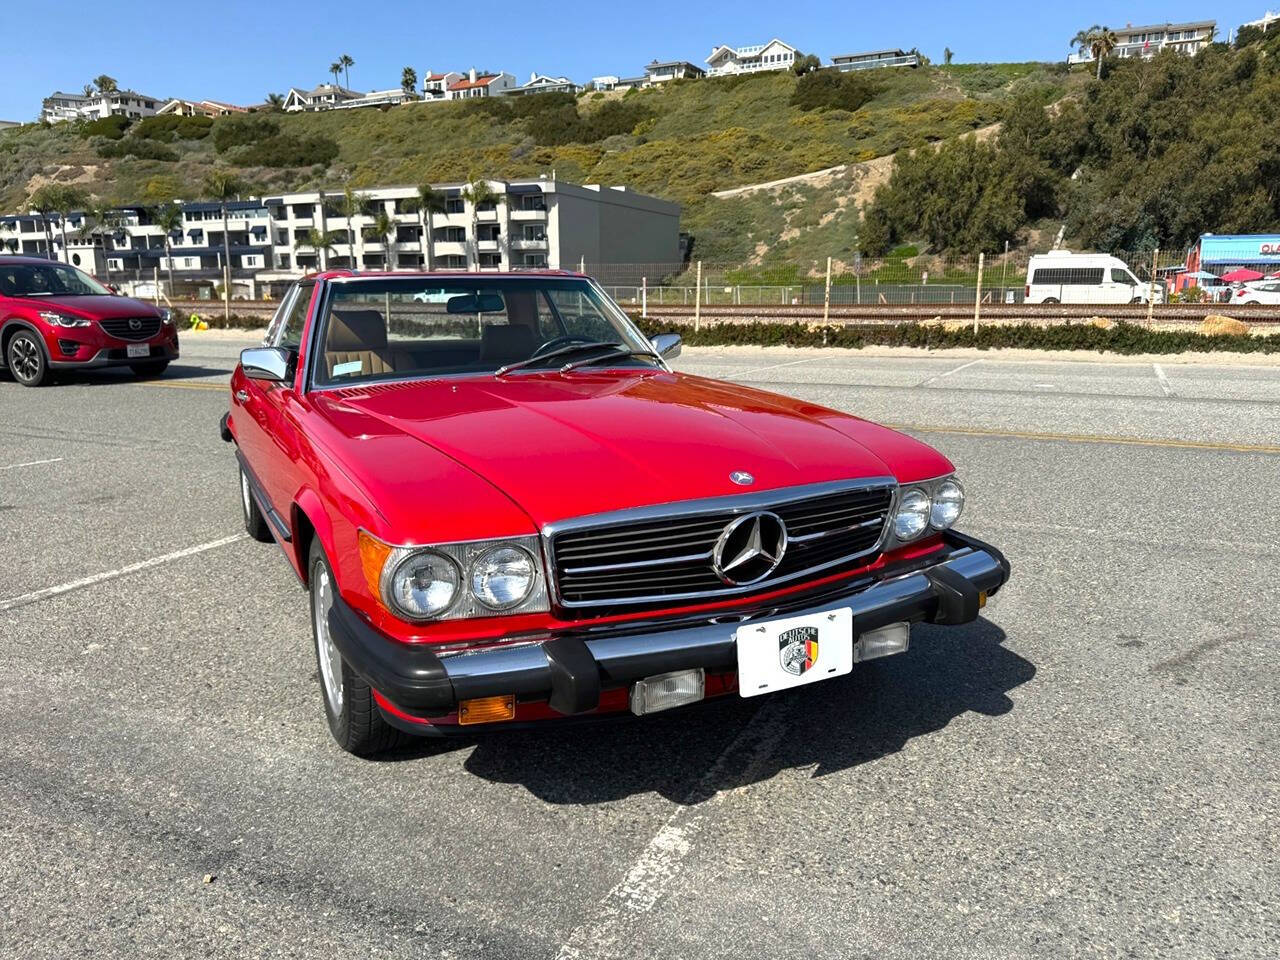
{"type": "Point", "coordinates": [116, 375]}
{"type": "Point", "coordinates": [692, 753]}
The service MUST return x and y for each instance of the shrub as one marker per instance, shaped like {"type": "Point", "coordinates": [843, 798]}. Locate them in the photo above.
{"type": "Point", "coordinates": [240, 131]}
{"type": "Point", "coordinates": [112, 128]}
{"type": "Point", "coordinates": [287, 150]}
{"type": "Point", "coordinates": [832, 90]}
{"type": "Point", "coordinates": [136, 147]}
{"type": "Point", "coordinates": [171, 127]}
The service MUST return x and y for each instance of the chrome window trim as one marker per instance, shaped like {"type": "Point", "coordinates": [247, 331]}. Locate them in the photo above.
{"type": "Point", "coordinates": [730, 506]}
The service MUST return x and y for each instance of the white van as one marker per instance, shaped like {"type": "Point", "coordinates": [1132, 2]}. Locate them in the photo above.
{"type": "Point", "coordinates": [1065, 277]}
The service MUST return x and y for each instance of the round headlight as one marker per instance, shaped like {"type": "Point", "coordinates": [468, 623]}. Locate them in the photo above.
{"type": "Point", "coordinates": [501, 578]}
{"type": "Point", "coordinates": [948, 501]}
{"type": "Point", "coordinates": [913, 515]}
{"type": "Point", "coordinates": [423, 584]}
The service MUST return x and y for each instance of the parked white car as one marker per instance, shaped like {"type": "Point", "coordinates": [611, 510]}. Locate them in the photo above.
{"type": "Point", "coordinates": [1065, 277]}
{"type": "Point", "coordinates": [1259, 291]}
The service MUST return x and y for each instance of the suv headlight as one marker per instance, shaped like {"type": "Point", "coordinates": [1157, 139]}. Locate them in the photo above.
{"type": "Point", "coordinates": [166, 316]}
{"type": "Point", "coordinates": [427, 583]}
{"type": "Point", "coordinates": [62, 319]}
{"type": "Point", "coordinates": [928, 505]}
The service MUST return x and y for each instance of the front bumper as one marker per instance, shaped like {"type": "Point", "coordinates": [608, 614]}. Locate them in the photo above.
{"type": "Point", "coordinates": [571, 668]}
{"type": "Point", "coordinates": [118, 357]}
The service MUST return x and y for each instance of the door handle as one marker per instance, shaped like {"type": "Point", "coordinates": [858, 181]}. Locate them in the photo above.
{"type": "Point", "coordinates": [242, 395]}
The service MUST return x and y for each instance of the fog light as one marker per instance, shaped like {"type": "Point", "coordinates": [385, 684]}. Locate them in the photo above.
{"type": "Point", "coordinates": [894, 638]}
{"type": "Point", "coordinates": [667, 690]}
{"type": "Point", "coordinates": [69, 347]}
{"type": "Point", "coordinates": [487, 709]}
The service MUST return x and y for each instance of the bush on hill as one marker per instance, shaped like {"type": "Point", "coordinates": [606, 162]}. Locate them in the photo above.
{"type": "Point", "coordinates": [112, 128]}
{"type": "Point", "coordinates": [138, 147]}
{"type": "Point", "coordinates": [287, 150]}
{"type": "Point", "coordinates": [832, 90]}
{"type": "Point", "coordinates": [241, 131]}
{"type": "Point", "coordinates": [171, 127]}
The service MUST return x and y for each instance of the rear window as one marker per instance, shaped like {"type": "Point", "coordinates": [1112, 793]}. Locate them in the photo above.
{"type": "Point", "coordinates": [1067, 276]}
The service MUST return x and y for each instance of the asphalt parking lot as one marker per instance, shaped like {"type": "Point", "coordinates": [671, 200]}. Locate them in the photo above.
{"type": "Point", "coordinates": [1090, 770]}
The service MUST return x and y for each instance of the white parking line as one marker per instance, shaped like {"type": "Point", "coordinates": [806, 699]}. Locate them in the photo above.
{"type": "Point", "coordinates": [611, 931]}
{"type": "Point", "coordinates": [61, 588]}
{"type": "Point", "coordinates": [1164, 381]}
{"type": "Point", "coordinates": [32, 463]}
{"type": "Point", "coordinates": [963, 366]}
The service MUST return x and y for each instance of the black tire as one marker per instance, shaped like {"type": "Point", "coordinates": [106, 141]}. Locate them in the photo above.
{"type": "Point", "coordinates": [152, 368]}
{"type": "Point", "coordinates": [26, 360]}
{"type": "Point", "coordinates": [255, 524]}
{"type": "Point", "coordinates": [354, 719]}
{"type": "Point", "coordinates": [1050, 300]}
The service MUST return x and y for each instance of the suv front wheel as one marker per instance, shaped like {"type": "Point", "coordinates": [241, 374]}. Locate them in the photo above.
{"type": "Point", "coordinates": [26, 359]}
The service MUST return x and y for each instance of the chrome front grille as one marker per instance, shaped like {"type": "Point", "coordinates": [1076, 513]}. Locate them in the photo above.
{"type": "Point", "coordinates": [664, 555]}
{"type": "Point", "coordinates": [131, 328]}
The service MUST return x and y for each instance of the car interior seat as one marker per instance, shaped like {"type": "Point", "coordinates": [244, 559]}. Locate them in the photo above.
{"type": "Point", "coordinates": [359, 336]}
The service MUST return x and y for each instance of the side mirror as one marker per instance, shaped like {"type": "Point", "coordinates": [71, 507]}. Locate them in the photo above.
{"type": "Point", "coordinates": [269, 363]}
{"type": "Point", "coordinates": [114, 289]}
{"type": "Point", "coordinates": [667, 345]}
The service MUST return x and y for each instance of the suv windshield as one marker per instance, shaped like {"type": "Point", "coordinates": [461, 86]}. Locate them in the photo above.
{"type": "Point", "coordinates": [393, 328]}
{"type": "Point", "coordinates": [47, 280]}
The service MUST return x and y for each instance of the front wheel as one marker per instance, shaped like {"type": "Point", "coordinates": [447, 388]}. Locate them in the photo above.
{"type": "Point", "coordinates": [26, 359]}
{"type": "Point", "coordinates": [152, 368]}
{"type": "Point", "coordinates": [354, 719]}
{"type": "Point", "coordinates": [1050, 300]}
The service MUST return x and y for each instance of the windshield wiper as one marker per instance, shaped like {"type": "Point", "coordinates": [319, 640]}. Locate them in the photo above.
{"type": "Point", "coordinates": [619, 353]}
{"type": "Point", "coordinates": [566, 350]}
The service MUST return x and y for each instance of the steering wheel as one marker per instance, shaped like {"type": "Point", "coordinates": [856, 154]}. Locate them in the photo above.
{"type": "Point", "coordinates": [561, 341]}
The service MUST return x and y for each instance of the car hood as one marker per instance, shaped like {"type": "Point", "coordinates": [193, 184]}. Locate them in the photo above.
{"type": "Point", "coordinates": [585, 443]}
{"type": "Point", "coordinates": [103, 307]}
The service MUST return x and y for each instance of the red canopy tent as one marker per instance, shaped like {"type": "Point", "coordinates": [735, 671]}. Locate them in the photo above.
{"type": "Point", "coordinates": [1243, 275]}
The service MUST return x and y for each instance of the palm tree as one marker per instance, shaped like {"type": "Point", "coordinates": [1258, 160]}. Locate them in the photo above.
{"type": "Point", "coordinates": [383, 230]}
{"type": "Point", "coordinates": [323, 243]}
{"type": "Point", "coordinates": [168, 217]}
{"type": "Point", "coordinates": [347, 63]}
{"type": "Point", "coordinates": [68, 198]}
{"type": "Point", "coordinates": [947, 55]}
{"type": "Point", "coordinates": [45, 201]}
{"type": "Point", "coordinates": [100, 223]}
{"type": "Point", "coordinates": [222, 186]}
{"type": "Point", "coordinates": [335, 68]}
{"type": "Point", "coordinates": [105, 84]}
{"type": "Point", "coordinates": [408, 79]}
{"type": "Point", "coordinates": [478, 193]}
{"type": "Point", "coordinates": [351, 206]}
{"type": "Point", "coordinates": [427, 203]}
{"type": "Point", "coordinates": [275, 101]}
{"type": "Point", "coordinates": [1099, 41]}
{"type": "Point", "coordinates": [88, 89]}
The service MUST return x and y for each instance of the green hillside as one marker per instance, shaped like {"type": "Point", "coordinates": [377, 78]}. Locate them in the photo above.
{"type": "Point", "coordinates": [680, 142]}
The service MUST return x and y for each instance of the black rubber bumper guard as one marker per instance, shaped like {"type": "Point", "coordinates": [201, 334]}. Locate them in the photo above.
{"type": "Point", "coordinates": [571, 668]}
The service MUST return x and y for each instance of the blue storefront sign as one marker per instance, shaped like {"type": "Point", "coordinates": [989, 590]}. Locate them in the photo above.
{"type": "Point", "coordinates": [1239, 249]}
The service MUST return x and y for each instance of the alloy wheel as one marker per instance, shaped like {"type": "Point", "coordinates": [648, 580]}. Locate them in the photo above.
{"type": "Point", "coordinates": [329, 658]}
{"type": "Point", "coordinates": [24, 357]}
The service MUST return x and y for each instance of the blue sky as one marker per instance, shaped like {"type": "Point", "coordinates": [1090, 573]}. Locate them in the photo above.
{"type": "Point", "coordinates": [239, 51]}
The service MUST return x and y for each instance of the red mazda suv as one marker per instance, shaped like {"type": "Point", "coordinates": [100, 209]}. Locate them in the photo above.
{"type": "Point", "coordinates": [54, 317]}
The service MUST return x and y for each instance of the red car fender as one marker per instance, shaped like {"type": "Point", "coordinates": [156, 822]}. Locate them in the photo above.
{"type": "Point", "coordinates": [308, 510]}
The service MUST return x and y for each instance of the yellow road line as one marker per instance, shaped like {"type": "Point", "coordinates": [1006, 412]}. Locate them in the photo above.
{"type": "Point", "coordinates": [178, 385]}
{"type": "Point", "coordinates": [1088, 438]}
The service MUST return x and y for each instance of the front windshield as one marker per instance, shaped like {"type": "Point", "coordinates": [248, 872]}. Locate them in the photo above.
{"type": "Point", "coordinates": [393, 328]}
{"type": "Point", "coordinates": [47, 280]}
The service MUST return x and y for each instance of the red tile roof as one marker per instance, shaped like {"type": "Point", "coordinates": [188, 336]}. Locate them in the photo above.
{"type": "Point", "coordinates": [481, 81]}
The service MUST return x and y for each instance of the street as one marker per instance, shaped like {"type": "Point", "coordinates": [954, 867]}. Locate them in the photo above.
{"type": "Point", "coordinates": [1088, 770]}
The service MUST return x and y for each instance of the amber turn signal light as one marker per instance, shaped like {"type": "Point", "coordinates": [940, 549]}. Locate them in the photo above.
{"type": "Point", "coordinates": [487, 709]}
{"type": "Point", "coordinates": [373, 554]}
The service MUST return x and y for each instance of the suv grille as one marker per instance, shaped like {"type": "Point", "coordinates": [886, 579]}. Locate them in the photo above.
{"type": "Point", "coordinates": [122, 327]}
{"type": "Point", "coordinates": [619, 563]}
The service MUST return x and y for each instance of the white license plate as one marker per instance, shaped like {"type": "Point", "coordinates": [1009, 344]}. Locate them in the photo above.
{"type": "Point", "coordinates": [779, 654]}
{"type": "Point", "coordinates": [138, 350]}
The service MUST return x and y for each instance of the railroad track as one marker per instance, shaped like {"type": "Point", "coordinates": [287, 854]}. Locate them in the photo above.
{"type": "Point", "coordinates": [916, 313]}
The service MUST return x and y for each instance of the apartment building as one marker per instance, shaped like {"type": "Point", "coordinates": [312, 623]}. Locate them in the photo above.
{"type": "Point", "coordinates": [435, 86]}
{"type": "Point", "coordinates": [533, 224]}
{"type": "Point", "coordinates": [200, 108]}
{"type": "Point", "coordinates": [60, 107]}
{"type": "Point", "coordinates": [871, 59]}
{"type": "Point", "coordinates": [1147, 41]}
{"type": "Point", "coordinates": [480, 85]}
{"type": "Point", "coordinates": [774, 55]}
{"type": "Point", "coordinates": [541, 83]}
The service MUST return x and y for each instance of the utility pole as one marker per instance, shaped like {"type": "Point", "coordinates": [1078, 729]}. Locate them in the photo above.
{"type": "Point", "coordinates": [826, 297]}
{"type": "Point", "coordinates": [1004, 274]}
{"type": "Point", "coordinates": [644, 297]}
{"type": "Point", "coordinates": [977, 296]}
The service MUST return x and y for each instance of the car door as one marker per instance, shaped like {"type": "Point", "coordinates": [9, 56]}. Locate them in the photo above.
{"type": "Point", "coordinates": [269, 448]}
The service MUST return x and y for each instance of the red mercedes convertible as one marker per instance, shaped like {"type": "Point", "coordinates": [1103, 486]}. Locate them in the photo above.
{"type": "Point", "coordinates": [506, 507]}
